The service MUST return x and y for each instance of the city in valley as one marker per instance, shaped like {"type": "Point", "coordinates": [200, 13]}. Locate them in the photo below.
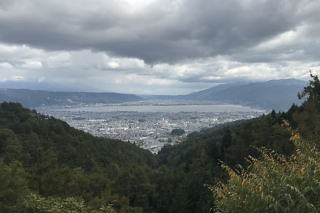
{"type": "Point", "coordinates": [149, 126]}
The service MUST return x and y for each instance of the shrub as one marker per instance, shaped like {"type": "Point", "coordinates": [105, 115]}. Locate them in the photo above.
{"type": "Point", "coordinates": [273, 183]}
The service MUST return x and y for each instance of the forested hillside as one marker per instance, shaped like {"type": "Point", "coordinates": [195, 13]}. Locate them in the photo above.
{"type": "Point", "coordinates": [50, 158]}
{"type": "Point", "coordinates": [274, 182]}
{"type": "Point", "coordinates": [48, 166]}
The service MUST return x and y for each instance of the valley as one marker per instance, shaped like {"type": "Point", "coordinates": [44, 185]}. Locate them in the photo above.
{"type": "Point", "coordinates": [149, 124]}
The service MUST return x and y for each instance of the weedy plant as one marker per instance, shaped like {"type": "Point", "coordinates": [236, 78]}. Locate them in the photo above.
{"type": "Point", "coordinates": [273, 183]}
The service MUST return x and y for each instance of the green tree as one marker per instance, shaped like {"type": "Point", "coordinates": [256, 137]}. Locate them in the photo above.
{"type": "Point", "coordinates": [312, 91]}
{"type": "Point", "coordinates": [13, 187]}
{"type": "Point", "coordinates": [308, 119]}
{"type": "Point", "coordinates": [10, 146]}
{"type": "Point", "coordinates": [226, 141]}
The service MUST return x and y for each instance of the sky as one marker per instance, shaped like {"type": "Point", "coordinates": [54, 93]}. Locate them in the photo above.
{"type": "Point", "coordinates": [155, 46]}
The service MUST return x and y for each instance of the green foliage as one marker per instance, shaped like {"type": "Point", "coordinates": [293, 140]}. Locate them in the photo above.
{"type": "Point", "coordinates": [59, 161]}
{"type": "Point", "coordinates": [312, 91]}
{"type": "Point", "coordinates": [307, 119]}
{"type": "Point", "coordinates": [13, 187]}
{"type": "Point", "coordinates": [274, 183]}
{"type": "Point", "coordinates": [177, 132]}
{"type": "Point", "coordinates": [9, 145]}
{"type": "Point", "coordinates": [265, 131]}
{"type": "Point", "coordinates": [67, 205]}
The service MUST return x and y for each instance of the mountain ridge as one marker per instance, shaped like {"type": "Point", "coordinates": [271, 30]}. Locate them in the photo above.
{"type": "Point", "coordinates": [35, 98]}
{"type": "Point", "coordinates": [273, 94]}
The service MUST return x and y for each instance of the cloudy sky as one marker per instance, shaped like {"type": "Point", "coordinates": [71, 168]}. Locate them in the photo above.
{"type": "Point", "coordinates": [155, 46]}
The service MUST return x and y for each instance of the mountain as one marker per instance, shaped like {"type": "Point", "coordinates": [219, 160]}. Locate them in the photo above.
{"type": "Point", "coordinates": [274, 94]}
{"type": "Point", "coordinates": [34, 98]}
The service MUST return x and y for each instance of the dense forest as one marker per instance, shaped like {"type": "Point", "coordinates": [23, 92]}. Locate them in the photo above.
{"type": "Point", "coordinates": [48, 166]}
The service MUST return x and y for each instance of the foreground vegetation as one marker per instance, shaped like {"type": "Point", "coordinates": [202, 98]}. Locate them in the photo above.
{"type": "Point", "coordinates": [48, 166]}
{"type": "Point", "coordinates": [276, 182]}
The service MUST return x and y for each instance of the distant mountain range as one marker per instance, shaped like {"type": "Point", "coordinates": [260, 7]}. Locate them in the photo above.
{"type": "Point", "coordinates": [274, 94]}
{"type": "Point", "coordinates": [35, 98]}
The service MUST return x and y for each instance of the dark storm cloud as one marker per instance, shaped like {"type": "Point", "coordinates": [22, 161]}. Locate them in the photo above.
{"type": "Point", "coordinates": [164, 31]}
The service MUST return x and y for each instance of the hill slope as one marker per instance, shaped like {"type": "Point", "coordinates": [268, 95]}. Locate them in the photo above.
{"type": "Point", "coordinates": [50, 158]}
{"type": "Point", "coordinates": [34, 98]}
{"type": "Point", "coordinates": [274, 94]}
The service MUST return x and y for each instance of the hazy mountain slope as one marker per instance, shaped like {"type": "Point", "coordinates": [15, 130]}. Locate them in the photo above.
{"type": "Point", "coordinates": [193, 96]}
{"type": "Point", "coordinates": [208, 93]}
{"type": "Point", "coordinates": [274, 94]}
{"type": "Point", "coordinates": [33, 98]}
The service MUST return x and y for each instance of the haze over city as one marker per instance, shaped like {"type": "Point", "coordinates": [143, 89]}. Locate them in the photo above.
{"type": "Point", "coordinates": [153, 46]}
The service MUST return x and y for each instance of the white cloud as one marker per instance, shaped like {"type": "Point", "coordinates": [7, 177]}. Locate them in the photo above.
{"type": "Point", "coordinates": [6, 65]}
{"type": "Point", "coordinates": [85, 70]}
{"type": "Point", "coordinates": [31, 65]}
{"type": "Point", "coordinates": [153, 46]}
{"type": "Point", "coordinates": [19, 51]}
{"type": "Point", "coordinates": [61, 59]}
{"type": "Point", "coordinates": [17, 78]}
{"type": "Point", "coordinates": [113, 65]}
